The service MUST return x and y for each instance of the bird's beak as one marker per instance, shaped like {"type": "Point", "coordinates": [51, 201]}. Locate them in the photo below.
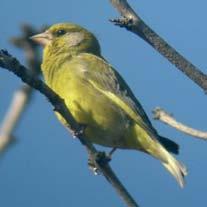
{"type": "Point", "coordinates": [43, 38]}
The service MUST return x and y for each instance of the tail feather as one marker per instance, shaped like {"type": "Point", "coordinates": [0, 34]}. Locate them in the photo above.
{"type": "Point", "coordinates": [153, 146]}
{"type": "Point", "coordinates": [170, 145]}
{"type": "Point", "coordinates": [176, 168]}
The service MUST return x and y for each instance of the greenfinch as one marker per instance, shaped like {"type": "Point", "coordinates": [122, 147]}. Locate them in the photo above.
{"type": "Point", "coordinates": [98, 97]}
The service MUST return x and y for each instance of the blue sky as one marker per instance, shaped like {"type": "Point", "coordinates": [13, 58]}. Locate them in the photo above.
{"type": "Point", "coordinates": [49, 168]}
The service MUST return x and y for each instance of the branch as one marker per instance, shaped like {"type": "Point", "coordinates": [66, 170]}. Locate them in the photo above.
{"type": "Point", "coordinates": [17, 106]}
{"type": "Point", "coordinates": [101, 162]}
{"type": "Point", "coordinates": [22, 95]}
{"type": "Point", "coordinates": [161, 115]}
{"type": "Point", "coordinates": [132, 22]}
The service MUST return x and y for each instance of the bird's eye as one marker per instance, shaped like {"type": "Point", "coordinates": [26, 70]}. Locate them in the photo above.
{"type": "Point", "coordinates": [60, 32]}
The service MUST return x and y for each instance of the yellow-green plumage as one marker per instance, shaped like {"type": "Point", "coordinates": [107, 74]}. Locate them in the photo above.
{"type": "Point", "coordinates": [98, 97]}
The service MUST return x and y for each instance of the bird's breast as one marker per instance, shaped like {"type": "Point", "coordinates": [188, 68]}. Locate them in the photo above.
{"type": "Point", "coordinates": [106, 123]}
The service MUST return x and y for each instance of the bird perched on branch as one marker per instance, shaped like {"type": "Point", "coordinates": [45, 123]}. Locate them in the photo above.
{"type": "Point", "coordinates": [98, 97]}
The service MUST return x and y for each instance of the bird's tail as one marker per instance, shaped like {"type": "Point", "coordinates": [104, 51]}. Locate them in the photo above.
{"type": "Point", "coordinates": [177, 169]}
{"type": "Point", "coordinates": [170, 145]}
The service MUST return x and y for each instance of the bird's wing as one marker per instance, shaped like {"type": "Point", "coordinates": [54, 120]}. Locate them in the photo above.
{"type": "Point", "coordinates": [108, 81]}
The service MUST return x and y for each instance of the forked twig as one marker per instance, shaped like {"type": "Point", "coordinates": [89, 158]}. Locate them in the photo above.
{"type": "Point", "coordinates": [132, 22]}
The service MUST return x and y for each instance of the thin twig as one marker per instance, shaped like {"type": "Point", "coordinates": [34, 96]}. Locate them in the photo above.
{"type": "Point", "coordinates": [132, 22]}
{"type": "Point", "coordinates": [12, 64]}
{"type": "Point", "coordinates": [162, 115]}
{"type": "Point", "coordinates": [17, 106]}
{"type": "Point", "coordinates": [22, 95]}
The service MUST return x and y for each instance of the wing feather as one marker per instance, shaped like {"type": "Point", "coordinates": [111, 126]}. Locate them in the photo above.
{"type": "Point", "coordinates": [107, 80]}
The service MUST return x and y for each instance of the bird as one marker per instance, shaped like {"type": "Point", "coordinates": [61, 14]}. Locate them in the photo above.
{"type": "Point", "coordinates": [98, 97]}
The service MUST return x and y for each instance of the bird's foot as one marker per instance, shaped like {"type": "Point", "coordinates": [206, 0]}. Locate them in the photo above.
{"type": "Point", "coordinates": [92, 166]}
{"type": "Point", "coordinates": [109, 155]}
{"type": "Point", "coordinates": [99, 159]}
{"type": "Point", "coordinates": [78, 133]}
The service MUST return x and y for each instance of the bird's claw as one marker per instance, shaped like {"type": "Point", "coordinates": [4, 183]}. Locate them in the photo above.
{"type": "Point", "coordinates": [99, 159]}
{"type": "Point", "coordinates": [92, 166]}
{"type": "Point", "coordinates": [80, 132]}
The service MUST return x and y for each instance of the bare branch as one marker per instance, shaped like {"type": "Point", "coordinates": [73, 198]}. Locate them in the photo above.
{"type": "Point", "coordinates": [13, 114]}
{"type": "Point", "coordinates": [12, 64]}
{"type": "Point", "coordinates": [162, 115]}
{"type": "Point", "coordinates": [22, 95]}
{"type": "Point", "coordinates": [132, 22]}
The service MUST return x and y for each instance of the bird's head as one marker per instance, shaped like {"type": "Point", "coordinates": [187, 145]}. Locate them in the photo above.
{"type": "Point", "coordinates": [68, 38]}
